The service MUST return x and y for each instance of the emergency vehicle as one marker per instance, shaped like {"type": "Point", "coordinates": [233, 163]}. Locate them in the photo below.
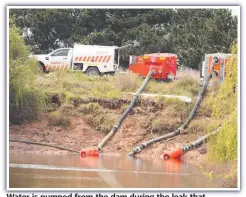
{"type": "Point", "coordinates": [91, 59]}
{"type": "Point", "coordinates": [222, 61]}
{"type": "Point", "coordinates": [164, 64]}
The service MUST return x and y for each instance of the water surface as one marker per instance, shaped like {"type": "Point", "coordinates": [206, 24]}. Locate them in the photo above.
{"type": "Point", "coordinates": [70, 171]}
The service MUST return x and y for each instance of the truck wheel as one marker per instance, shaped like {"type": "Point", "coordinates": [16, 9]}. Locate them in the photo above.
{"type": "Point", "coordinates": [112, 73]}
{"type": "Point", "coordinates": [42, 67]}
{"type": "Point", "coordinates": [92, 71]}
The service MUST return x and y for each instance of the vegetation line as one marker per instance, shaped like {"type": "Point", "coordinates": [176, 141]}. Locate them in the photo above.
{"type": "Point", "coordinates": [41, 144]}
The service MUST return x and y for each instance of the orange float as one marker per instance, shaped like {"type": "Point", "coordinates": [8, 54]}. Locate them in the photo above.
{"type": "Point", "coordinates": [89, 152]}
{"type": "Point", "coordinates": [175, 154]}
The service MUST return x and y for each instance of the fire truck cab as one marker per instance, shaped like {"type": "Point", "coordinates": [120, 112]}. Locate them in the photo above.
{"type": "Point", "coordinates": [164, 64]}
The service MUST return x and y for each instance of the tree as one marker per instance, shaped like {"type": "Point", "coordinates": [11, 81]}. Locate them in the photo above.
{"type": "Point", "coordinates": [199, 31]}
{"type": "Point", "coordinates": [190, 33]}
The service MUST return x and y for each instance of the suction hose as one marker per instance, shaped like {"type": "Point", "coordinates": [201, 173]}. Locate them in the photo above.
{"type": "Point", "coordinates": [95, 152]}
{"type": "Point", "coordinates": [126, 112]}
{"type": "Point", "coordinates": [41, 144]}
{"type": "Point", "coordinates": [187, 121]}
{"type": "Point", "coordinates": [177, 153]}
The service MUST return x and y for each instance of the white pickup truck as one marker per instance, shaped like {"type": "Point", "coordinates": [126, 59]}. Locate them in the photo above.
{"type": "Point", "coordinates": [91, 59]}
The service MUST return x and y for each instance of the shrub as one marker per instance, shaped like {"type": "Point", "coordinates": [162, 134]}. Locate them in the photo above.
{"type": "Point", "coordinates": [25, 98]}
{"type": "Point", "coordinates": [56, 118]}
{"type": "Point", "coordinates": [90, 108]}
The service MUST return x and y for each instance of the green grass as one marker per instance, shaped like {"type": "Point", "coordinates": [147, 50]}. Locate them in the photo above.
{"type": "Point", "coordinates": [175, 108]}
{"type": "Point", "coordinates": [74, 85]}
{"type": "Point", "coordinates": [223, 147]}
{"type": "Point", "coordinates": [187, 84]}
{"type": "Point", "coordinates": [223, 105]}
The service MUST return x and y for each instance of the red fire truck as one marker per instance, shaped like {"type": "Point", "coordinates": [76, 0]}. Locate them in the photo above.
{"type": "Point", "coordinates": [165, 64]}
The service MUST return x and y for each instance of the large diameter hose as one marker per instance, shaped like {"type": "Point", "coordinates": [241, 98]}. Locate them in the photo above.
{"type": "Point", "coordinates": [177, 153]}
{"type": "Point", "coordinates": [199, 141]}
{"type": "Point", "coordinates": [129, 108]}
{"type": "Point", "coordinates": [184, 125]}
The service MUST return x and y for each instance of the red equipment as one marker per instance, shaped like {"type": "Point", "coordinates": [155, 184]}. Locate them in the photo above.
{"type": "Point", "coordinates": [176, 154]}
{"type": "Point", "coordinates": [89, 152]}
{"type": "Point", "coordinates": [164, 64]}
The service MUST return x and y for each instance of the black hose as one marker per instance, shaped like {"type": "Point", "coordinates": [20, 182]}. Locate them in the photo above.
{"type": "Point", "coordinates": [129, 108]}
{"type": "Point", "coordinates": [198, 142]}
{"type": "Point", "coordinates": [40, 144]}
{"type": "Point", "coordinates": [184, 125]}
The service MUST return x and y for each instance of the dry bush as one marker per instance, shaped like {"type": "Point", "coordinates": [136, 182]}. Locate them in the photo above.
{"type": "Point", "coordinates": [67, 109]}
{"type": "Point", "coordinates": [127, 82]}
{"type": "Point", "coordinates": [188, 72]}
{"type": "Point", "coordinates": [56, 118]}
{"type": "Point", "coordinates": [90, 108]}
{"type": "Point", "coordinates": [205, 125]}
{"type": "Point", "coordinates": [102, 122]}
{"type": "Point", "coordinates": [163, 125]}
{"type": "Point", "coordinates": [174, 107]}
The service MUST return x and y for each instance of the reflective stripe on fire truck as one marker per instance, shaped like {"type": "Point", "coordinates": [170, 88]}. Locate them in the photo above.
{"type": "Point", "coordinates": [104, 59]}
{"type": "Point", "coordinates": [88, 58]}
{"type": "Point", "coordinates": [97, 57]}
{"type": "Point", "coordinates": [56, 67]}
{"type": "Point", "coordinates": [100, 59]}
{"type": "Point", "coordinates": [93, 58]}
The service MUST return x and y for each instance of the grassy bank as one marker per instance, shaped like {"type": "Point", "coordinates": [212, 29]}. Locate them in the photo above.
{"type": "Point", "coordinates": [221, 104]}
{"type": "Point", "coordinates": [78, 85]}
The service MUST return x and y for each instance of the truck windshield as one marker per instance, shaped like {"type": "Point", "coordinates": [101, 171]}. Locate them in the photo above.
{"type": "Point", "coordinates": [62, 52]}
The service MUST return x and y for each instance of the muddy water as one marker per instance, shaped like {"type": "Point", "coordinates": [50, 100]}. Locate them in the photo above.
{"type": "Point", "coordinates": [70, 171]}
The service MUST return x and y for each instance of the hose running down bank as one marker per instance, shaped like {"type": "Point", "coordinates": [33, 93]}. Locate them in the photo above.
{"type": "Point", "coordinates": [129, 108]}
{"type": "Point", "coordinates": [139, 148]}
{"type": "Point", "coordinates": [40, 144]}
{"type": "Point", "coordinates": [177, 153]}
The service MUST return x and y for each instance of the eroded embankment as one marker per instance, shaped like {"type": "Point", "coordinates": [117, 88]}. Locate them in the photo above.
{"type": "Point", "coordinates": [83, 123]}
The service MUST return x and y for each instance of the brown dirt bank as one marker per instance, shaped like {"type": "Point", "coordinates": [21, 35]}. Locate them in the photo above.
{"type": "Point", "coordinates": [79, 135]}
